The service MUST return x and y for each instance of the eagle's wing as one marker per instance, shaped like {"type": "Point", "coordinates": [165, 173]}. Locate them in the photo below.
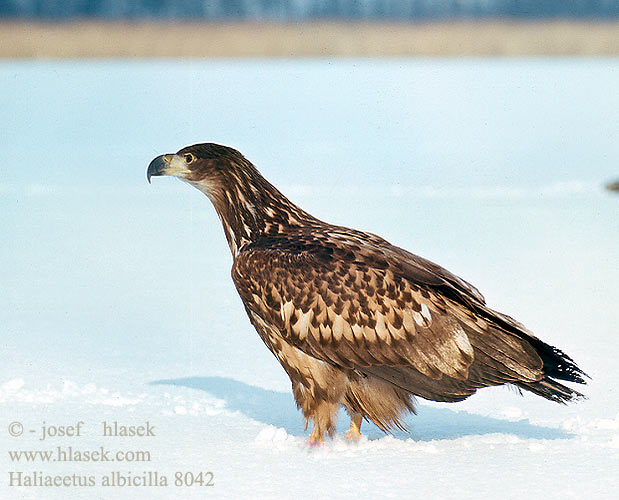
{"type": "Point", "coordinates": [358, 306]}
{"type": "Point", "coordinates": [414, 267]}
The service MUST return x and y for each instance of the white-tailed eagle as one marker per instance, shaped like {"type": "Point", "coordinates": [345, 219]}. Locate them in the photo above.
{"type": "Point", "coordinates": [353, 319]}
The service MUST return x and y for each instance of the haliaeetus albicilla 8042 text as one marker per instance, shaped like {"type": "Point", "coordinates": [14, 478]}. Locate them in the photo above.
{"type": "Point", "coordinates": [354, 320]}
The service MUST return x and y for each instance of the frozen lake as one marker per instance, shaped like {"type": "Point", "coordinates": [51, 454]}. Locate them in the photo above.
{"type": "Point", "coordinates": [492, 168]}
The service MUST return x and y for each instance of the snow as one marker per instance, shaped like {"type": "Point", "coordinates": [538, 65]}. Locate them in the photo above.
{"type": "Point", "coordinates": [450, 453]}
{"type": "Point", "coordinates": [116, 303]}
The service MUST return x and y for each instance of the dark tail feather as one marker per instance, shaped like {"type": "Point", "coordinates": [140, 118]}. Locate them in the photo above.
{"type": "Point", "coordinates": [553, 390]}
{"type": "Point", "coordinates": [557, 364]}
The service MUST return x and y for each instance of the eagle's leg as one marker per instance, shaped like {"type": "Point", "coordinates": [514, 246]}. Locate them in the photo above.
{"type": "Point", "coordinates": [318, 390]}
{"type": "Point", "coordinates": [315, 438]}
{"type": "Point", "coordinates": [322, 415]}
{"type": "Point", "coordinates": [354, 432]}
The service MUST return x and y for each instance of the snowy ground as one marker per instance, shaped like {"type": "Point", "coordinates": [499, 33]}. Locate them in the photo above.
{"type": "Point", "coordinates": [116, 302]}
{"type": "Point", "coordinates": [252, 440]}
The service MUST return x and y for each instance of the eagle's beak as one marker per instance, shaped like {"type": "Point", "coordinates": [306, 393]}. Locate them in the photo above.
{"type": "Point", "coordinates": [167, 165]}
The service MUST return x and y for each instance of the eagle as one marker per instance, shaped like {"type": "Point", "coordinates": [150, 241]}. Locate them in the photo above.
{"type": "Point", "coordinates": [354, 320]}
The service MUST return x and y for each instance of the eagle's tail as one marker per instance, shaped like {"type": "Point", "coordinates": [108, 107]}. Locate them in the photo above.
{"type": "Point", "coordinates": [557, 365]}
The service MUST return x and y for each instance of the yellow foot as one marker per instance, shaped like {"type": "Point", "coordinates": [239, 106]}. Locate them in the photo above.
{"type": "Point", "coordinates": [354, 432]}
{"type": "Point", "coordinates": [353, 435]}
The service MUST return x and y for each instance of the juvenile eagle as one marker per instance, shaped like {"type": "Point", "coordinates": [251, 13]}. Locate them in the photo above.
{"type": "Point", "coordinates": [353, 319]}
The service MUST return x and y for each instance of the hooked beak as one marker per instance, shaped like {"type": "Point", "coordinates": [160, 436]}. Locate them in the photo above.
{"type": "Point", "coordinates": [169, 164]}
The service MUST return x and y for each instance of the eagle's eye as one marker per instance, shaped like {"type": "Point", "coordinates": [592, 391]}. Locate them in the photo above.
{"type": "Point", "coordinates": [189, 158]}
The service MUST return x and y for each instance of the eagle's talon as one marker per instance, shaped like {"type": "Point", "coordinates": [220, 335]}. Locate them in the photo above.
{"type": "Point", "coordinates": [315, 443]}
{"type": "Point", "coordinates": [354, 432]}
{"type": "Point", "coordinates": [352, 435]}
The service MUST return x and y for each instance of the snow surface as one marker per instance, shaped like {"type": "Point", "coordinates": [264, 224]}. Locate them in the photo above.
{"type": "Point", "coordinates": [116, 302]}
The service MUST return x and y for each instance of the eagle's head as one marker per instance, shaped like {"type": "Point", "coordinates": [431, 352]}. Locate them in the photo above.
{"type": "Point", "coordinates": [208, 164]}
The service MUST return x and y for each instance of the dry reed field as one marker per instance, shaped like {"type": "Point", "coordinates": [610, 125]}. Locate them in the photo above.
{"type": "Point", "coordinates": [150, 39]}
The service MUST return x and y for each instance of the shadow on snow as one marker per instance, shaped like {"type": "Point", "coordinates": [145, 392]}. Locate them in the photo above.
{"type": "Point", "coordinates": [279, 409]}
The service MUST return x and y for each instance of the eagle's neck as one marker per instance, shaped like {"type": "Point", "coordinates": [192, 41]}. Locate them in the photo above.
{"type": "Point", "coordinates": [249, 206]}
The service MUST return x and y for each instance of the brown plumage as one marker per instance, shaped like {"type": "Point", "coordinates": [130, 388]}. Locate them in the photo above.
{"type": "Point", "coordinates": [354, 320]}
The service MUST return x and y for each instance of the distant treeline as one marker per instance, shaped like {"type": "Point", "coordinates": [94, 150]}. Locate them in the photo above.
{"type": "Point", "coordinates": [299, 10]}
